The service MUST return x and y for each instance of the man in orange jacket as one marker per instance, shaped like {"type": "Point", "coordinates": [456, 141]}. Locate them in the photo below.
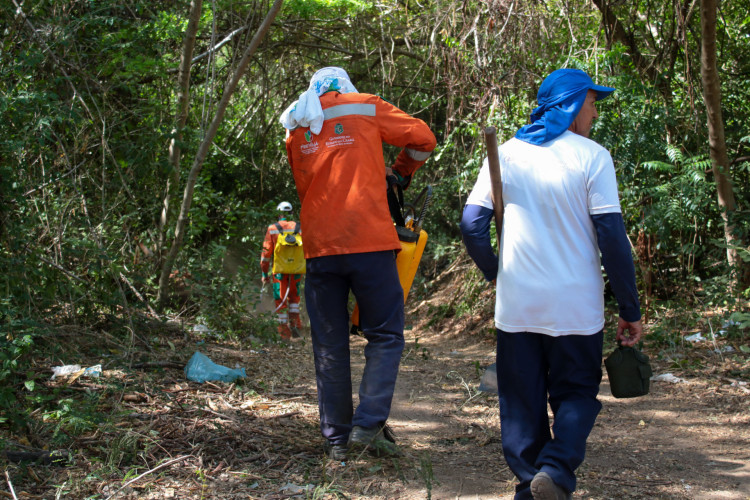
{"type": "Point", "coordinates": [334, 147]}
{"type": "Point", "coordinates": [285, 286]}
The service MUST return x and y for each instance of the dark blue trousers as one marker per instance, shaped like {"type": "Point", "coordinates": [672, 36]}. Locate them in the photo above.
{"type": "Point", "coordinates": [373, 278]}
{"type": "Point", "coordinates": [531, 368]}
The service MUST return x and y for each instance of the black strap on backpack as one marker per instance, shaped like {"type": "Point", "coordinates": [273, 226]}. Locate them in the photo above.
{"type": "Point", "coordinates": [395, 200]}
{"type": "Point", "coordinates": [292, 234]}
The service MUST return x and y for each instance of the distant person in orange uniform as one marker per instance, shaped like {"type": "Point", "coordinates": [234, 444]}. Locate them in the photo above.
{"type": "Point", "coordinates": [334, 147]}
{"type": "Point", "coordinates": [285, 286]}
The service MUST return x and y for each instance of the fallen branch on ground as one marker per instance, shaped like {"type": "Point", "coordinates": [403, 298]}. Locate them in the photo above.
{"type": "Point", "coordinates": [158, 467]}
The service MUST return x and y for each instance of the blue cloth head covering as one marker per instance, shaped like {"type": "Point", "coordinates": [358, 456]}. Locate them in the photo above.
{"type": "Point", "coordinates": [560, 98]}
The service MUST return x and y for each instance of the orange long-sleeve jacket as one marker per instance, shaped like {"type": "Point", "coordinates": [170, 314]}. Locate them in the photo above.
{"type": "Point", "coordinates": [269, 243]}
{"type": "Point", "coordinates": [340, 173]}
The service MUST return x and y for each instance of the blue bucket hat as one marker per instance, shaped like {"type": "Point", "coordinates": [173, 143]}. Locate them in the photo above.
{"type": "Point", "coordinates": [559, 99]}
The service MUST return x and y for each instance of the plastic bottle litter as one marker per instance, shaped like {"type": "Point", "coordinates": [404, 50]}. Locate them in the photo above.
{"type": "Point", "coordinates": [489, 379]}
{"type": "Point", "coordinates": [199, 328]}
{"type": "Point", "coordinates": [726, 348]}
{"type": "Point", "coordinates": [91, 371]}
{"type": "Point", "coordinates": [200, 369]}
{"type": "Point", "coordinates": [295, 489]}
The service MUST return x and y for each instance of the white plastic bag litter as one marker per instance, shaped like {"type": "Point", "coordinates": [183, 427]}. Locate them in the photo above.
{"type": "Point", "coordinates": [667, 377]}
{"type": "Point", "coordinates": [200, 369]}
{"type": "Point", "coordinates": [696, 337]}
{"type": "Point", "coordinates": [61, 371]}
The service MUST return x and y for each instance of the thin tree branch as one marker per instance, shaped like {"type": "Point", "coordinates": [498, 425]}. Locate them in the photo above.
{"type": "Point", "coordinates": [219, 45]}
{"type": "Point", "coordinates": [10, 485]}
{"type": "Point", "coordinates": [159, 467]}
{"type": "Point", "coordinates": [62, 270]}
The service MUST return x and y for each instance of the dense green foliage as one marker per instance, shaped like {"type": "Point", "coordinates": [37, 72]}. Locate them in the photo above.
{"type": "Point", "coordinates": [88, 103]}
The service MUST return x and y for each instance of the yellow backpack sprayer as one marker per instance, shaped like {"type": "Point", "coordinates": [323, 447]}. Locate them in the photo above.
{"type": "Point", "coordinates": [413, 240]}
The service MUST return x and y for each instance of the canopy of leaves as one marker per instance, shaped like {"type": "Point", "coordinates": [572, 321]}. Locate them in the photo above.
{"type": "Point", "coordinates": [88, 99]}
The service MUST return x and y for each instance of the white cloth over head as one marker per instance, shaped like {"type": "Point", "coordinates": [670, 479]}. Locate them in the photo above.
{"type": "Point", "coordinates": [306, 111]}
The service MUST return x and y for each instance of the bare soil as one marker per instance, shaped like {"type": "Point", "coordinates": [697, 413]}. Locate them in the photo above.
{"type": "Point", "coordinates": [162, 436]}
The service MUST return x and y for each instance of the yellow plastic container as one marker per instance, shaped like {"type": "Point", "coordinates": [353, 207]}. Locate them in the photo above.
{"type": "Point", "coordinates": [407, 262]}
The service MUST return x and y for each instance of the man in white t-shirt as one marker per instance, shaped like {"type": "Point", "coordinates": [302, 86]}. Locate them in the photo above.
{"type": "Point", "coordinates": [561, 210]}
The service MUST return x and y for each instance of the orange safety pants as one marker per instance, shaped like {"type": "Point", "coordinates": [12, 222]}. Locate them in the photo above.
{"type": "Point", "coordinates": [286, 296]}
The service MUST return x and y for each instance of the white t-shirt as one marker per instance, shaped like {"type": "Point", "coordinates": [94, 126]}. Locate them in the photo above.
{"type": "Point", "coordinates": [549, 279]}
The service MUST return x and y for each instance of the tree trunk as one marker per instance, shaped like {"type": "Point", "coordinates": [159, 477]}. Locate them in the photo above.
{"type": "Point", "coordinates": [716, 142]}
{"type": "Point", "coordinates": [183, 104]}
{"type": "Point", "coordinates": [200, 156]}
{"type": "Point", "coordinates": [617, 33]}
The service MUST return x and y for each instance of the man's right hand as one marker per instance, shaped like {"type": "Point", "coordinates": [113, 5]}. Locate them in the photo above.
{"type": "Point", "coordinates": [634, 328]}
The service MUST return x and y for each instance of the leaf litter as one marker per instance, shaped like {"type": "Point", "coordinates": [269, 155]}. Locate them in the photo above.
{"type": "Point", "coordinates": [159, 435]}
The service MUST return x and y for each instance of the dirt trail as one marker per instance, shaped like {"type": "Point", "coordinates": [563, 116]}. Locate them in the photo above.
{"type": "Point", "coordinates": [260, 438]}
{"type": "Point", "coordinates": [438, 412]}
{"type": "Point", "coordinates": [689, 439]}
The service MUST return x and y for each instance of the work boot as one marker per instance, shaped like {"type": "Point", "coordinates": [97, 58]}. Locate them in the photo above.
{"type": "Point", "coordinates": [295, 332]}
{"type": "Point", "coordinates": [378, 440]}
{"type": "Point", "coordinates": [335, 451]}
{"type": "Point", "coordinates": [285, 332]}
{"type": "Point", "coordinates": [544, 488]}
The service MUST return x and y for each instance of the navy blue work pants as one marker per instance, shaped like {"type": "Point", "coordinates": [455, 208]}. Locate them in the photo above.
{"type": "Point", "coordinates": [373, 278]}
{"type": "Point", "coordinates": [531, 368]}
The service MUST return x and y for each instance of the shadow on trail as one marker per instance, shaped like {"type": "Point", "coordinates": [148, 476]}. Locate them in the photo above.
{"type": "Point", "coordinates": [687, 440]}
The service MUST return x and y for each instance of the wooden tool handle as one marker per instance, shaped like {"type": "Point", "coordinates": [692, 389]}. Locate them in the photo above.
{"type": "Point", "coordinates": [496, 181]}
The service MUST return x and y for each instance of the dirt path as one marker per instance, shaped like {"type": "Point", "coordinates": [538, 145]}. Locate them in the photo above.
{"type": "Point", "coordinates": [689, 439]}
{"type": "Point", "coordinates": [438, 412]}
{"type": "Point", "coordinates": [260, 438]}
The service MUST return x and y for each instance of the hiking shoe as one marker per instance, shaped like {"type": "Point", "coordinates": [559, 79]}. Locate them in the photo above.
{"type": "Point", "coordinates": [378, 440]}
{"type": "Point", "coordinates": [544, 488]}
{"type": "Point", "coordinates": [295, 332]}
{"type": "Point", "coordinates": [335, 451]}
